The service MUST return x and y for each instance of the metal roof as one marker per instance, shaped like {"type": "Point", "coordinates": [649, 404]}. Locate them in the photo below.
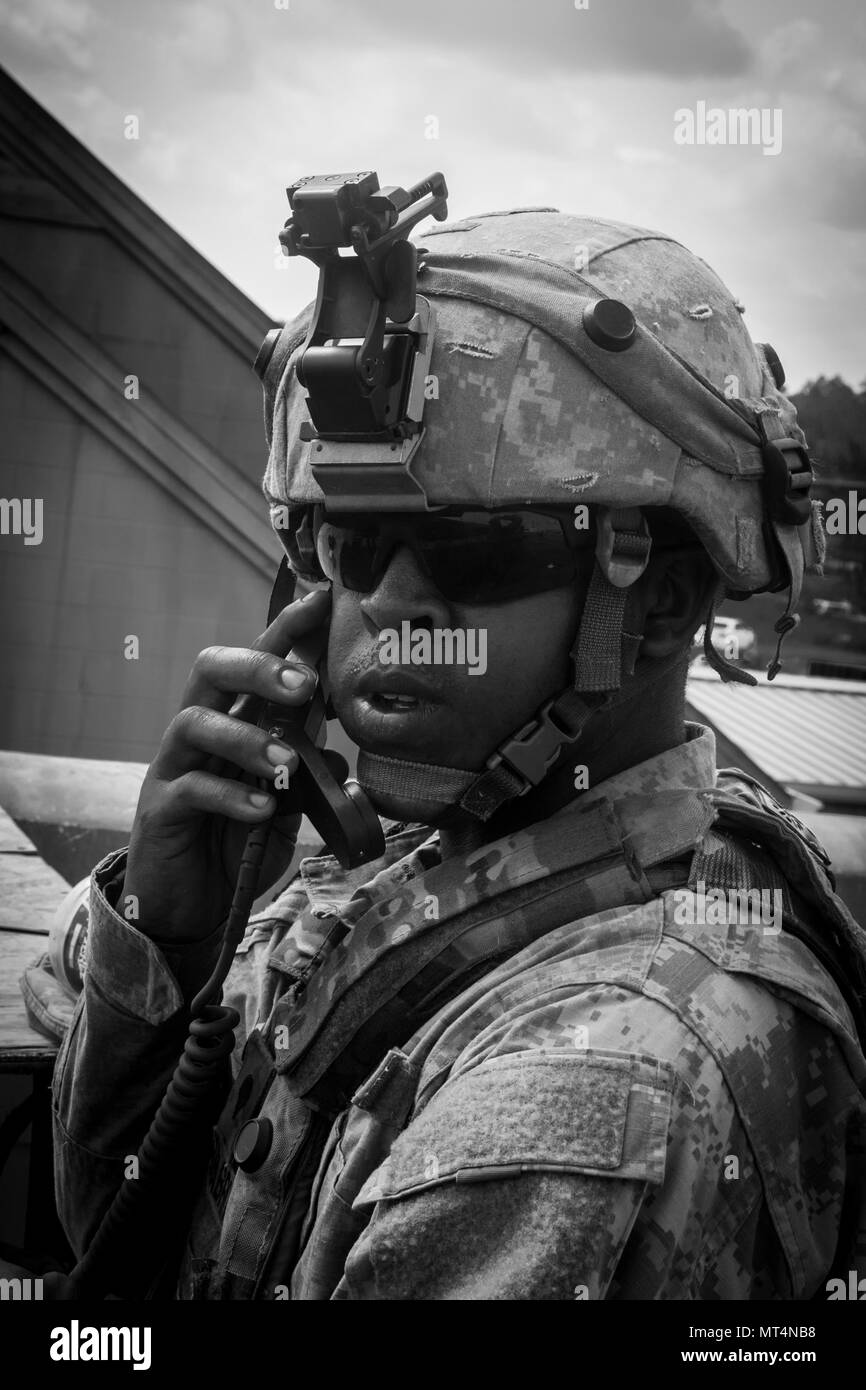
{"type": "Point", "coordinates": [804, 732]}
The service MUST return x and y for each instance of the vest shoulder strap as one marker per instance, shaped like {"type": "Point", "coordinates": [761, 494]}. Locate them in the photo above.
{"type": "Point", "coordinates": [753, 830]}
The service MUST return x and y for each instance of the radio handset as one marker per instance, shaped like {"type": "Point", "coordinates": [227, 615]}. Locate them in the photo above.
{"type": "Point", "coordinates": [336, 806]}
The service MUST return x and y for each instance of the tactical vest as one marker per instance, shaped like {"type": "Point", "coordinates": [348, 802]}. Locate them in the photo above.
{"type": "Point", "coordinates": [370, 990]}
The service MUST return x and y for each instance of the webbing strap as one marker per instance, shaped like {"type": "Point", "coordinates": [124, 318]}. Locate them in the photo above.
{"type": "Point", "coordinates": [597, 652]}
{"type": "Point", "coordinates": [491, 790]}
{"type": "Point", "coordinates": [424, 781]}
{"type": "Point", "coordinates": [791, 546]}
{"type": "Point", "coordinates": [621, 555]}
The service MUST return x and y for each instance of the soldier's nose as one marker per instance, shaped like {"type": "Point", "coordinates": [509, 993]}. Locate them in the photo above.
{"type": "Point", "coordinates": [405, 593]}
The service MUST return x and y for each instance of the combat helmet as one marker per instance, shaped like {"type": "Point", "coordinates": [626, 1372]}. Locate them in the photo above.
{"type": "Point", "coordinates": [582, 363]}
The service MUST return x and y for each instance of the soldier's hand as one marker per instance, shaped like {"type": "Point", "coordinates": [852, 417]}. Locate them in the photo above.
{"type": "Point", "coordinates": [194, 813]}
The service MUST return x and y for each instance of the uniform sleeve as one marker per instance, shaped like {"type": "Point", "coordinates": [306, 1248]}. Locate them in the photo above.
{"type": "Point", "coordinates": [124, 1041]}
{"type": "Point", "coordinates": [521, 1179]}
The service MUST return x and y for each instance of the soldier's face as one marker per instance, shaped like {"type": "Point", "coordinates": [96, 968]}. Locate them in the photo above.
{"type": "Point", "coordinates": [401, 691]}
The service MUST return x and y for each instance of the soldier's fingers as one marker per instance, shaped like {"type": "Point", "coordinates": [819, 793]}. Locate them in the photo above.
{"type": "Point", "coordinates": [197, 734]}
{"type": "Point", "coordinates": [219, 674]}
{"type": "Point", "coordinates": [303, 615]}
{"type": "Point", "coordinates": [202, 792]}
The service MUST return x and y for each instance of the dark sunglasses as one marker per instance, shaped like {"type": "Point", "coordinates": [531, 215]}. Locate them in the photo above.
{"type": "Point", "coordinates": [474, 557]}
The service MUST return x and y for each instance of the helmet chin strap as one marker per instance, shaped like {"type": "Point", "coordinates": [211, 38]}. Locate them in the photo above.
{"type": "Point", "coordinates": [603, 652]}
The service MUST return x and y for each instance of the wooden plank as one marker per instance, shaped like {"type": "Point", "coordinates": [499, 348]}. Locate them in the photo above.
{"type": "Point", "coordinates": [13, 840]}
{"type": "Point", "coordinates": [30, 892]}
{"type": "Point", "coordinates": [21, 1047]}
{"type": "Point", "coordinates": [70, 791]}
{"type": "Point", "coordinates": [29, 888]}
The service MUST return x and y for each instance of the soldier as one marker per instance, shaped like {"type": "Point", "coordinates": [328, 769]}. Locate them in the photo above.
{"type": "Point", "coordinates": [514, 1058]}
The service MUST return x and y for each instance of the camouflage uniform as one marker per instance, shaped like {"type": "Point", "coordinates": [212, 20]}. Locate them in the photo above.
{"type": "Point", "coordinates": [625, 1107]}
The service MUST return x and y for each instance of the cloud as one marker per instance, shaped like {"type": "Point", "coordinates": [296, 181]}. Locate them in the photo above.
{"type": "Point", "coordinates": [538, 103]}
{"type": "Point", "coordinates": [167, 157]}
{"type": "Point", "coordinates": [678, 37]}
{"type": "Point", "coordinates": [845, 204]}
{"type": "Point", "coordinates": [217, 42]}
{"type": "Point", "coordinates": [636, 154]}
{"type": "Point", "coordinates": [203, 35]}
{"type": "Point", "coordinates": [59, 31]}
{"type": "Point", "coordinates": [820, 83]}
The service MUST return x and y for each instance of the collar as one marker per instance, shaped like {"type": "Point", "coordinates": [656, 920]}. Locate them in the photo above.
{"type": "Point", "coordinates": [410, 850]}
{"type": "Point", "coordinates": [690, 765]}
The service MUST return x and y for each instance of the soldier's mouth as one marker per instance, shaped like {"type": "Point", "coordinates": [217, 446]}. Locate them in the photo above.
{"type": "Point", "coordinates": [381, 707]}
{"type": "Point", "coordinates": [393, 703]}
{"type": "Point", "coordinates": [396, 691]}
{"type": "Point", "coordinates": [403, 722]}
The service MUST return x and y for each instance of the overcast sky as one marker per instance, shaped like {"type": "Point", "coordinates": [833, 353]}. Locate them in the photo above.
{"type": "Point", "coordinates": [537, 103]}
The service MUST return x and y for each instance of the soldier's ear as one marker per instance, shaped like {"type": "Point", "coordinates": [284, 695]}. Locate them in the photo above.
{"type": "Point", "coordinates": [677, 589]}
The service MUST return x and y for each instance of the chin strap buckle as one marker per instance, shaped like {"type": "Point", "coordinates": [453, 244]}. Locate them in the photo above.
{"type": "Point", "coordinates": [787, 481]}
{"type": "Point", "coordinates": [533, 750]}
{"type": "Point", "coordinates": [622, 546]}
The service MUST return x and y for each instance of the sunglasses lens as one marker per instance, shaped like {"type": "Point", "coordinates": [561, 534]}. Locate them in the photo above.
{"type": "Point", "coordinates": [478, 557]}
{"type": "Point", "coordinates": [489, 557]}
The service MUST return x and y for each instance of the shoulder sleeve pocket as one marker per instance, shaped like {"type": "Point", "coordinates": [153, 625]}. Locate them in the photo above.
{"type": "Point", "coordinates": [604, 1114]}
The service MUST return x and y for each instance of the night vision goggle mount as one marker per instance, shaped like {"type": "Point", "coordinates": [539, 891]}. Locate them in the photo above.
{"type": "Point", "coordinates": [366, 357]}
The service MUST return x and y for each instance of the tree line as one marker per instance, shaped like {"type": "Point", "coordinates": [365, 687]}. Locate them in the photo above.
{"type": "Point", "coordinates": [833, 416]}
